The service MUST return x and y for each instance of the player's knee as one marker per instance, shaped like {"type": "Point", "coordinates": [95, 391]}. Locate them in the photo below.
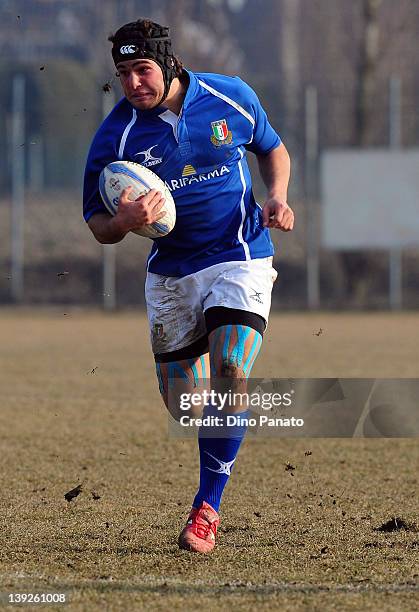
{"type": "Point", "coordinates": [230, 369]}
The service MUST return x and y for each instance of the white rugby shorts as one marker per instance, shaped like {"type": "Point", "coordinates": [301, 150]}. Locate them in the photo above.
{"type": "Point", "coordinates": [176, 306]}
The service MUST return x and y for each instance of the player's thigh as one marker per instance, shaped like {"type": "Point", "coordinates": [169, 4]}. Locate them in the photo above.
{"type": "Point", "coordinates": [235, 338]}
{"type": "Point", "coordinates": [236, 315]}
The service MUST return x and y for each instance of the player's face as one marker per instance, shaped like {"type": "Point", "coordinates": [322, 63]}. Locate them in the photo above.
{"type": "Point", "coordinates": [142, 82]}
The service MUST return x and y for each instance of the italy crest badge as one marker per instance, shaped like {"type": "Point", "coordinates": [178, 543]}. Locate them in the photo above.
{"type": "Point", "coordinates": [220, 133]}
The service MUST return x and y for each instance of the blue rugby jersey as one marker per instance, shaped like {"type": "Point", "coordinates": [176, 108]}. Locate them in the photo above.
{"type": "Point", "coordinates": [201, 155]}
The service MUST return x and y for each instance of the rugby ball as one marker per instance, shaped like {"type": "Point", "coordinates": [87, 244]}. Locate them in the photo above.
{"type": "Point", "coordinates": [118, 175]}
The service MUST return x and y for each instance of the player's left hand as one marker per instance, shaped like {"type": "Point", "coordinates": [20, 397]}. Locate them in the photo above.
{"type": "Point", "coordinates": [277, 214]}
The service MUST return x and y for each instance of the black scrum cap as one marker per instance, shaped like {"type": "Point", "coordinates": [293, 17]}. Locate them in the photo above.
{"type": "Point", "coordinates": [145, 39]}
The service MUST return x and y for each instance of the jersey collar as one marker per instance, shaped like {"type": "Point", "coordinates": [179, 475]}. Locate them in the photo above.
{"type": "Point", "coordinates": [192, 88]}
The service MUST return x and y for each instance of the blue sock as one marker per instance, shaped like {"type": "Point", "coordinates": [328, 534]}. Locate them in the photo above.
{"type": "Point", "coordinates": [218, 448]}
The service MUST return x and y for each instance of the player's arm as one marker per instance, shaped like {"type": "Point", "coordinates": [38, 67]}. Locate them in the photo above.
{"type": "Point", "coordinates": [275, 168]}
{"type": "Point", "coordinates": [131, 215]}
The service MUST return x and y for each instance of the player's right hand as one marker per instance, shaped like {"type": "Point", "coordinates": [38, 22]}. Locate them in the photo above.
{"type": "Point", "coordinates": [134, 214]}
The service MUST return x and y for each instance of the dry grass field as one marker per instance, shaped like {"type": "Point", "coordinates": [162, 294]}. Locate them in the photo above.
{"type": "Point", "coordinates": [79, 405]}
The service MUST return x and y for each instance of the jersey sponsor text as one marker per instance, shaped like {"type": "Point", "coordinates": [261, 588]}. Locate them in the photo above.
{"type": "Point", "coordinates": [189, 180]}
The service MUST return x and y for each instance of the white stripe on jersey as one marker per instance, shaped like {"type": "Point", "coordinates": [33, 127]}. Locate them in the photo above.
{"type": "Point", "coordinates": [125, 134]}
{"type": "Point", "coordinates": [243, 211]}
{"type": "Point", "coordinates": [229, 101]}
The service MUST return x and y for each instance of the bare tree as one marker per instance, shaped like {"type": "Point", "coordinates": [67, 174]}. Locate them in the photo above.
{"type": "Point", "coordinates": [367, 67]}
{"type": "Point", "coordinates": [290, 56]}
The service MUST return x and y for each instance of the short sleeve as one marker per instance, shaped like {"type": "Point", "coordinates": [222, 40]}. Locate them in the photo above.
{"type": "Point", "coordinates": [265, 138]}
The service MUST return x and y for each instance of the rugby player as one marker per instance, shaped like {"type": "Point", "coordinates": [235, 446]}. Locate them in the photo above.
{"type": "Point", "coordinates": [209, 281]}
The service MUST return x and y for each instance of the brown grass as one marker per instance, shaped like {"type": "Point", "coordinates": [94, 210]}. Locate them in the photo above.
{"type": "Point", "coordinates": [79, 404]}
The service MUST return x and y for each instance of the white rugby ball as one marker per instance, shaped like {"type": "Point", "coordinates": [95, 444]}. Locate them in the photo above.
{"type": "Point", "coordinates": [118, 175]}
